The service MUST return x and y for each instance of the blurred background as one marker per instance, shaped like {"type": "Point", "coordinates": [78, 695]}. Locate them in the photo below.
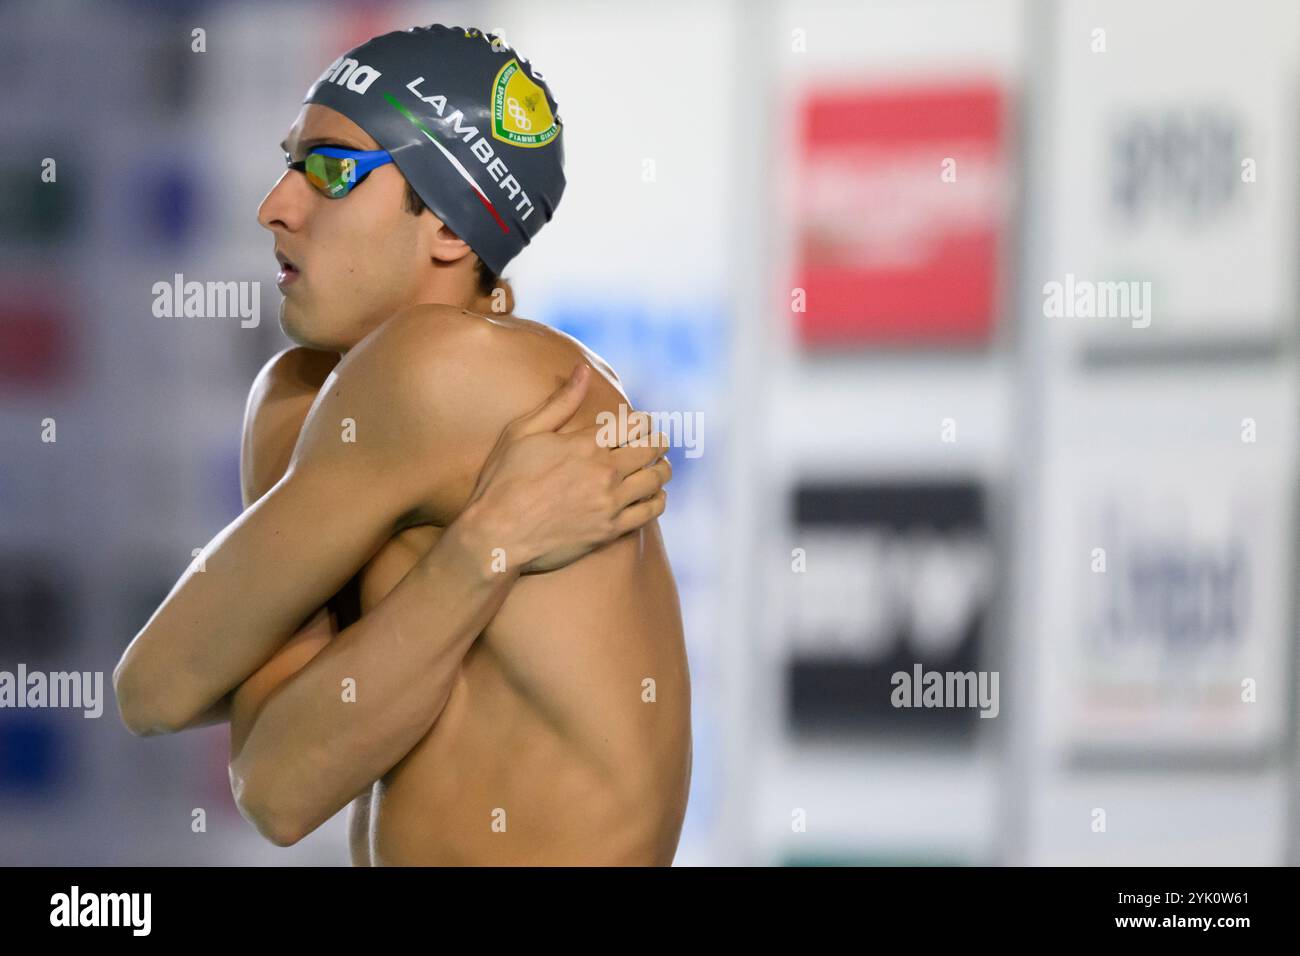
{"type": "Point", "coordinates": [874, 248]}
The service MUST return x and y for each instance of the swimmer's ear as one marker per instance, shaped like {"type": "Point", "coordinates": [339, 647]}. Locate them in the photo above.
{"type": "Point", "coordinates": [446, 246]}
{"type": "Point", "coordinates": [559, 408]}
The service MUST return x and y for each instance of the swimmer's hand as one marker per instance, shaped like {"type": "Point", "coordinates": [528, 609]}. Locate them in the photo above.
{"type": "Point", "coordinates": [545, 498]}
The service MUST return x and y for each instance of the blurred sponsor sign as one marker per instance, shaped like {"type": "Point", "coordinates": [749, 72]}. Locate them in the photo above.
{"type": "Point", "coordinates": [1172, 163]}
{"type": "Point", "coordinates": [33, 753]}
{"type": "Point", "coordinates": [1179, 638]}
{"type": "Point", "coordinates": [35, 341]}
{"type": "Point", "coordinates": [36, 610]}
{"type": "Point", "coordinates": [38, 201]}
{"type": "Point", "coordinates": [167, 201]}
{"type": "Point", "coordinates": [895, 575]}
{"type": "Point", "coordinates": [900, 212]}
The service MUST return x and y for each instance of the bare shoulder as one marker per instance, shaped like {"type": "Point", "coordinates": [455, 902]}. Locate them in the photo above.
{"type": "Point", "coordinates": [441, 383]}
{"type": "Point", "coordinates": [291, 372]}
{"type": "Point", "coordinates": [383, 409]}
{"type": "Point", "coordinates": [465, 370]}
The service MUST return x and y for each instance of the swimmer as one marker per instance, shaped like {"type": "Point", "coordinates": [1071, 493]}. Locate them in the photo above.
{"type": "Point", "coordinates": [447, 602]}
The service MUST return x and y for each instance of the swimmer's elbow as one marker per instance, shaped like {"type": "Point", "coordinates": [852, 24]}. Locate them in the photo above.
{"type": "Point", "coordinates": [275, 829]}
{"type": "Point", "coordinates": [150, 707]}
{"type": "Point", "coordinates": [257, 804]}
{"type": "Point", "coordinates": [140, 725]}
{"type": "Point", "coordinates": [137, 710]}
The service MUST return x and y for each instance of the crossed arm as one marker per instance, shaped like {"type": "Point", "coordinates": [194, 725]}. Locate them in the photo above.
{"type": "Point", "coordinates": [299, 752]}
{"type": "Point", "coordinates": [304, 751]}
{"type": "Point", "coordinates": [299, 749]}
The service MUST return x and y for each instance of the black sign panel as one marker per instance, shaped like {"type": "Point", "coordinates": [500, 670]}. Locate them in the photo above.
{"type": "Point", "coordinates": [886, 579]}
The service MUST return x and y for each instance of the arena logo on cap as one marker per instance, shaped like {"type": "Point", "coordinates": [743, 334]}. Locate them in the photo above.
{"type": "Point", "coordinates": [520, 113]}
{"type": "Point", "coordinates": [349, 74]}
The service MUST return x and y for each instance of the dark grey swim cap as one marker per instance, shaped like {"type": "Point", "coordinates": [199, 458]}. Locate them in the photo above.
{"type": "Point", "coordinates": [470, 124]}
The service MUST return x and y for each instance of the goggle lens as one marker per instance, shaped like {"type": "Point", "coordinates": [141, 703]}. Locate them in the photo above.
{"type": "Point", "coordinates": [332, 175]}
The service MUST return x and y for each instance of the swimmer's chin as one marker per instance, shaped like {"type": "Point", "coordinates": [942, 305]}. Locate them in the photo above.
{"type": "Point", "coordinates": [295, 329]}
{"type": "Point", "coordinates": [289, 326]}
{"type": "Point", "coordinates": [303, 334]}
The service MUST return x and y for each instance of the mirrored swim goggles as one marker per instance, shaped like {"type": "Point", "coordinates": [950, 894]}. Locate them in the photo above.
{"type": "Point", "coordinates": [334, 171]}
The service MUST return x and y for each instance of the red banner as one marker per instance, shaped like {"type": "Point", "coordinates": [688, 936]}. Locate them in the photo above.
{"type": "Point", "coordinates": [901, 212]}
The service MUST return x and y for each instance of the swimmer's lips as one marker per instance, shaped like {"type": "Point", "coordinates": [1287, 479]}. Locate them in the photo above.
{"type": "Point", "coordinates": [288, 271]}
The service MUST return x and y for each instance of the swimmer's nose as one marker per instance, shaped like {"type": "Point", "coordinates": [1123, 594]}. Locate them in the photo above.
{"type": "Point", "coordinates": [285, 206]}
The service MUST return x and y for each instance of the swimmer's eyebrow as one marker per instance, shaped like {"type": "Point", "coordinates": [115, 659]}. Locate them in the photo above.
{"type": "Point", "coordinates": [305, 145]}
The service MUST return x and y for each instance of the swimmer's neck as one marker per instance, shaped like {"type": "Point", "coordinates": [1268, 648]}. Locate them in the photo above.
{"type": "Point", "coordinates": [489, 306]}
